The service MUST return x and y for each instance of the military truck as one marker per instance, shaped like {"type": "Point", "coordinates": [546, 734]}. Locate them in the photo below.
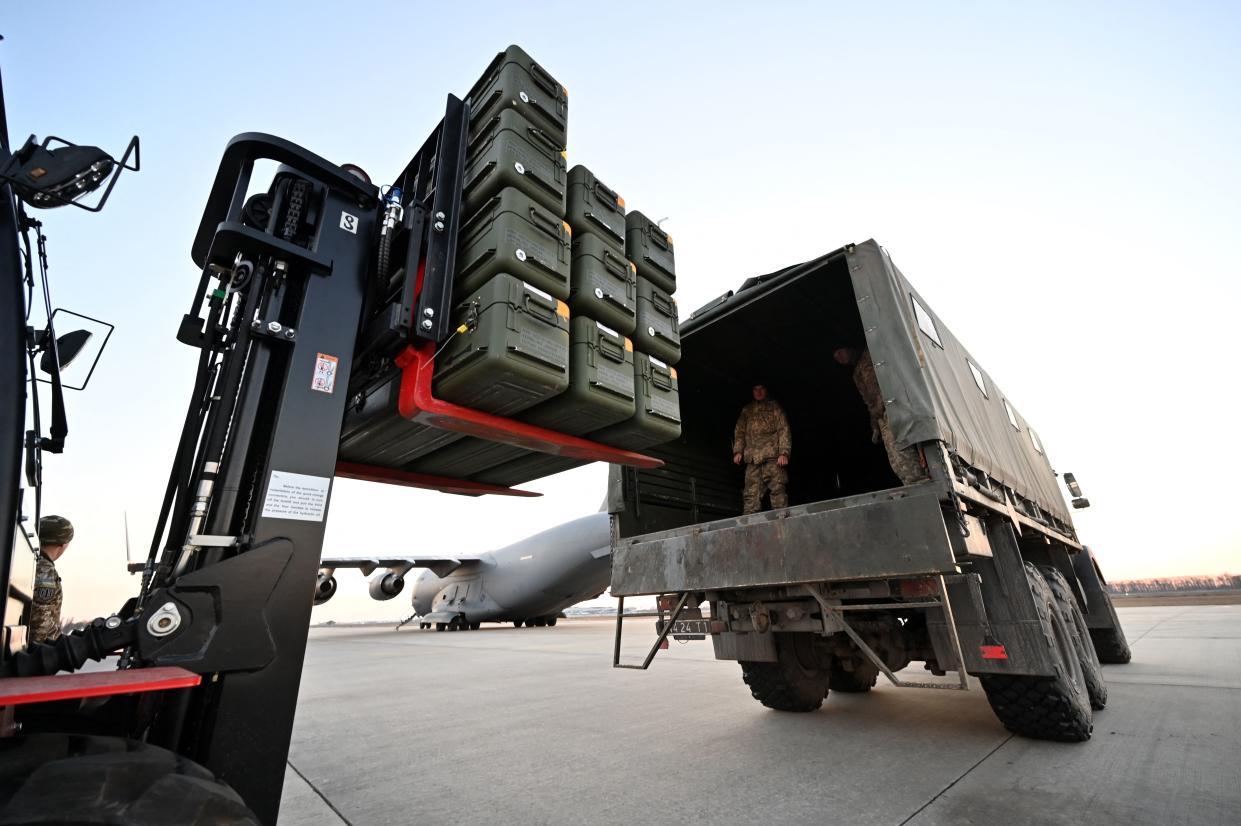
{"type": "Point", "coordinates": [977, 570]}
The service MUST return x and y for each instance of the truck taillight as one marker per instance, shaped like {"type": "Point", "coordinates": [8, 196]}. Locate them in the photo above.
{"type": "Point", "coordinates": [993, 652]}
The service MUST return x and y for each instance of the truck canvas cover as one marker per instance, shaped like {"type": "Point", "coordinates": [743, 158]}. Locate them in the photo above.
{"type": "Point", "coordinates": [924, 372]}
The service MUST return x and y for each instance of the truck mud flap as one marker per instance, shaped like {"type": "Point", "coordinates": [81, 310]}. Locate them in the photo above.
{"type": "Point", "coordinates": [898, 532]}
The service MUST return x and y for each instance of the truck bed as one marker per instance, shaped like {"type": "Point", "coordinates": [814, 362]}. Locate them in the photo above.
{"type": "Point", "coordinates": [889, 533]}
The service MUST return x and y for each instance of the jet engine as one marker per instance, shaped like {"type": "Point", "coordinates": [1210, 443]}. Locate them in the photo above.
{"type": "Point", "coordinates": [386, 586]}
{"type": "Point", "coordinates": [325, 588]}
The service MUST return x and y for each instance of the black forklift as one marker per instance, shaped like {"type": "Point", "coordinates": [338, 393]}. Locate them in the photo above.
{"type": "Point", "coordinates": [313, 286]}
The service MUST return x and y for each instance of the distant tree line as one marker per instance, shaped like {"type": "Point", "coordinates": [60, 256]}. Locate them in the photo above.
{"type": "Point", "coordinates": [1218, 582]}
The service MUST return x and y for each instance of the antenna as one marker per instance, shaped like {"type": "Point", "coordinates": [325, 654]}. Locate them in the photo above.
{"type": "Point", "coordinates": [127, 558]}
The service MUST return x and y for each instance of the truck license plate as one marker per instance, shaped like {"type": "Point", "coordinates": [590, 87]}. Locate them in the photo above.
{"type": "Point", "coordinates": [690, 629]}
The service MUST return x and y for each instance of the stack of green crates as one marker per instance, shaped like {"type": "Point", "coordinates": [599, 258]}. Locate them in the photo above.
{"type": "Point", "coordinates": [565, 301]}
{"type": "Point", "coordinates": [514, 245]}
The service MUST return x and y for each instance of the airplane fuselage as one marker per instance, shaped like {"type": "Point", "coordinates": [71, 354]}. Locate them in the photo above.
{"type": "Point", "coordinates": [535, 578]}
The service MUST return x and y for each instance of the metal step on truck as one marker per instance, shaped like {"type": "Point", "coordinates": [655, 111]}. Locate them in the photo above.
{"type": "Point", "coordinates": [975, 569]}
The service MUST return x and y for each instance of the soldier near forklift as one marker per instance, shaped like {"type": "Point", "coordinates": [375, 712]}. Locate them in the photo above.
{"type": "Point", "coordinates": [55, 534]}
{"type": "Point", "coordinates": [906, 463]}
{"type": "Point", "coordinates": [762, 441]}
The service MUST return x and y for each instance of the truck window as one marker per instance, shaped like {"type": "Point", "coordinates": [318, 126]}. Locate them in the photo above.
{"type": "Point", "coordinates": [978, 380]}
{"type": "Point", "coordinates": [925, 322]}
{"type": "Point", "coordinates": [1012, 416]}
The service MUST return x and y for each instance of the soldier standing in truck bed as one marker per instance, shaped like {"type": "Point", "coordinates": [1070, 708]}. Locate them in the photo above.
{"type": "Point", "coordinates": [55, 534]}
{"type": "Point", "coordinates": [763, 442]}
{"type": "Point", "coordinates": [906, 461]}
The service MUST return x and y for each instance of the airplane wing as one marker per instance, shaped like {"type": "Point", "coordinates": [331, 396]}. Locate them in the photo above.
{"type": "Point", "coordinates": [441, 566]}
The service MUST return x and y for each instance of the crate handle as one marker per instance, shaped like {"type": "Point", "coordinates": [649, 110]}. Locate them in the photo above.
{"type": "Point", "coordinates": [661, 378]}
{"type": "Point", "coordinates": [619, 266]}
{"type": "Point", "coordinates": [663, 303]}
{"type": "Point", "coordinates": [539, 136]}
{"type": "Point", "coordinates": [539, 306]}
{"type": "Point", "coordinates": [544, 79]}
{"type": "Point", "coordinates": [659, 237]}
{"type": "Point", "coordinates": [608, 194]}
{"type": "Point", "coordinates": [551, 225]}
{"type": "Point", "coordinates": [612, 349]}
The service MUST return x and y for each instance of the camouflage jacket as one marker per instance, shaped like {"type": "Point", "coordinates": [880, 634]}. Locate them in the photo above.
{"type": "Point", "coordinates": [45, 607]}
{"type": "Point", "coordinates": [762, 432]}
{"type": "Point", "coordinates": [868, 386]}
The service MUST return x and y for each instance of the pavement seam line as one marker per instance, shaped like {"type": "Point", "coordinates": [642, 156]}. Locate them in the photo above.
{"type": "Point", "coordinates": [321, 795]}
{"type": "Point", "coordinates": [965, 773]}
{"type": "Point", "coordinates": [1156, 625]}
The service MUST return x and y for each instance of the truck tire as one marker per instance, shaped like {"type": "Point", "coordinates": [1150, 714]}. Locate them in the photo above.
{"type": "Point", "coordinates": [1091, 670]}
{"type": "Point", "coordinates": [860, 680]}
{"type": "Point", "coordinates": [796, 682]}
{"type": "Point", "coordinates": [1045, 708]}
{"type": "Point", "coordinates": [69, 778]}
{"type": "Point", "coordinates": [1110, 643]}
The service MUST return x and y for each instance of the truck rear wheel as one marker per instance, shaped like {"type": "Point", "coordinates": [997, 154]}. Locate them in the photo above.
{"type": "Point", "coordinates": [1110, 643]}
{"type": "Point", "coordinates": [69, 778]}
{"type": "Point", "coordinates": [1045, 708]}
{"type": "Point", "coordinates": [1086, 656]}
{"type": "Point", "coordinates": [796, 682]}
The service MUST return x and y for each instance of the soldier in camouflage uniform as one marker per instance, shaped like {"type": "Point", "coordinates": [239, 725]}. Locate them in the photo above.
{"type": "Point", "coordinates": [55, 534]}
{"type": "Point", "coordinates": [763, 442]}
{"type": "Point", "coordinates": [906, 462]}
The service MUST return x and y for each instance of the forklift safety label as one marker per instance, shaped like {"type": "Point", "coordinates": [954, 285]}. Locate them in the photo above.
{"type": "Point", "coordinates": [325, 373]}
{"type": "Point", "coordinates": [349, 223]}
{"type": "Point", "coordinates": [296, 496]}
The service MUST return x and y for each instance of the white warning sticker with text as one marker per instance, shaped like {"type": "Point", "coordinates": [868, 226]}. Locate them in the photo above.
{"type": "Point", "coordinates": [296, 496]}
{"type": "Point", "coordinates": [325, 373]}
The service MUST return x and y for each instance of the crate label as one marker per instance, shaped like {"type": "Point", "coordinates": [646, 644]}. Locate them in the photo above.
{"type": "Point", "coordinates": [325, 373]}
{"type": "Point", "coordinates": [296, 496]}
{"type": "Point", "coordinates": [607, 330]}
{"type": "Point", "coordinates": [667, 408]}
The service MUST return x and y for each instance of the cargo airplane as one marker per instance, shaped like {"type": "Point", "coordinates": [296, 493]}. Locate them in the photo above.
{"type": "Point", "coordinates": [527, 583]}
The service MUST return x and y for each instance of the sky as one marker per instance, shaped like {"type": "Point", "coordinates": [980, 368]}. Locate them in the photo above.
{"type": "Point", "coordinates": [1060, 181]}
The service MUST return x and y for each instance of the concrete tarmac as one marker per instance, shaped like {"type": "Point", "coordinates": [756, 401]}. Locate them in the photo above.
{"type": "Point", "coordinates": [533, 726]}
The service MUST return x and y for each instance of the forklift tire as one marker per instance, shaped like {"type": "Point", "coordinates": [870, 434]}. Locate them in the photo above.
{"type": "Point", "coordinates": [796, 682]}
{"type": "Point", "coordinates": [1045, 708]}
{"type": "Point", "coordinates": [78, 779]}
{"type": "Point", "coordinates": [1091, 670]}
{"type": "Point", "coordinates": [858, 681]}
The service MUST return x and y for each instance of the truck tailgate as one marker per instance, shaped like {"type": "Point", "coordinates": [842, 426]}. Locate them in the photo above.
{"type": "Point", "coordinates": [898, 532]}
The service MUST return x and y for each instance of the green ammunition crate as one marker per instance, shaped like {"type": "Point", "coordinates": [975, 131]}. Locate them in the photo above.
{"type": "Point", "coordinates": [657, 418]}
{"type": "Point", "coordinates": [515, 354]}
{"type": "Point", "coordinates": [603, 284]}
{"type": "Point", "coordinates": [510, 151]}
{"type": "Point", "coordinates": [513, 234]}
{"type": "Point", "coordinates": [650, 249]}
{"type": "Point", "coordinates": [594, 207]}
{"type": "Point", "coordinates": [600, 393]}
{"type": "Point", "coordinates": [658, 331]}
{"type": "Point", "coordinates": [375, 433]}
{"type": "Point", "coordinates": [515, 81]}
